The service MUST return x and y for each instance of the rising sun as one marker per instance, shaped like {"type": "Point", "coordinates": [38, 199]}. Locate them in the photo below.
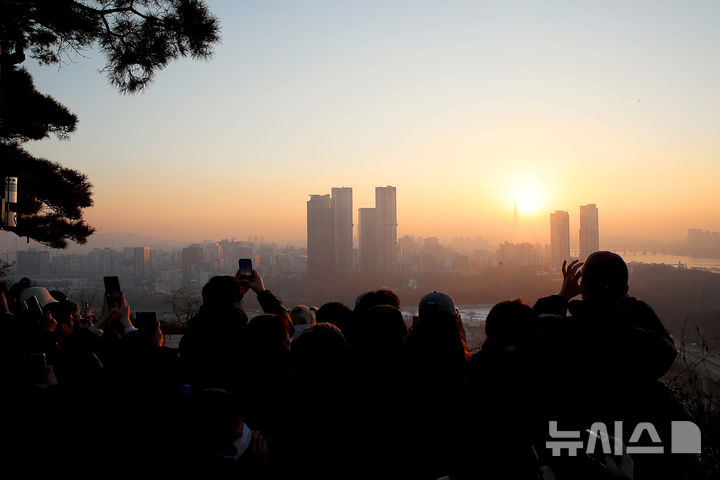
{"type": "Point", "coordinates": [528, 197]}
{"type": "Point", "coordinates": [527, 203]}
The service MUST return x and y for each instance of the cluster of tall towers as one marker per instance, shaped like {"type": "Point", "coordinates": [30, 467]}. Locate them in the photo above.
{"type": "Point", "coordinates": [560, 233]}
{"type": "Point", "coordinates": [330, 233]}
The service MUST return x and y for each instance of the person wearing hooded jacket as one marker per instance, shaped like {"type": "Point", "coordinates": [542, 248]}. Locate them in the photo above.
{"type": "Point", "coordinates": [601, 357]}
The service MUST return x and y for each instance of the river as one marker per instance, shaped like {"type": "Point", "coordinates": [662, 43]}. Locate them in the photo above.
{"type": "Point", "coordinates": [711, 264]}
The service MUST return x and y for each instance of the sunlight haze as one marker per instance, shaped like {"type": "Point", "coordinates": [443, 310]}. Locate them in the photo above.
{"type": "Point", "coordinates": [466, 107]}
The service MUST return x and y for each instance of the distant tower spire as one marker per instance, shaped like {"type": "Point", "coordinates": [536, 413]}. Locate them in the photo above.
{"type": "Point", "coordinates": [515, 217]}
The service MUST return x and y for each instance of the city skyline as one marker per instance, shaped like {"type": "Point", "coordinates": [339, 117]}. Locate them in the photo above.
{"type": "Point", "coordinates": [207, 205]}
{"type": "Point", "coordinates": [11, 243]}
{"type": "Point", "coordinates": [500, 105]}
{"type": "Point", "coordinates": [168, 270]}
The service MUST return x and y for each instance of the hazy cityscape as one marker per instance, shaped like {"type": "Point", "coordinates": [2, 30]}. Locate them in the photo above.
{"type": "Point", "coordinates": [433, 240]}
{"type": "Point", "coordinates": [346, 255]}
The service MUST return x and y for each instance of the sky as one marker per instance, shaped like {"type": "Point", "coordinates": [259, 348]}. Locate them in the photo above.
{"type": "Point", "coordinates": [465, 107]}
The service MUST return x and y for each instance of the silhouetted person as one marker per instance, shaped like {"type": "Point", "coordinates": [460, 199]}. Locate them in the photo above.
{"type": "Point", "coordinates": [373, 298]}
{"type": "Point", "coordinates": [386, 382]}
{"type": "Point", "coordinates": [363, 303]}
{"type": "Point", "coordinates": [320, 354]}
{"type": "Point", "coordinates": [215, 442]}
{"type": "Point", "coordinates": [302, 317]}
{"type": "Point", "coordinates": [503, 393]}
{"type": "Point", "coordinates": [76, 365]}
{"type": "Point", "coordinates": [602, 356]}
{"type": "Point", "coordinates": [62, 311]}
{"type": "Point", "coordinates": [266, 370]}
{"type": "Point", "coordinates": [151, 369]}
{"type": "Point", "coordinates": [15, 296]}
{"type": "Point", "coordinates": [319, 438]}
{"type": "Point", "coordinates": [211, 350]}
{"type": "Point", "coordinates": [339, 315]}
{"type": "Point", "coordinates": [437, 346]}
{"type": "Point", "coordinates": [437, 340]}
{"type": "Point", "coordinates": [384, 337]}
{"type": "Point", "coordinates": [12, 348]}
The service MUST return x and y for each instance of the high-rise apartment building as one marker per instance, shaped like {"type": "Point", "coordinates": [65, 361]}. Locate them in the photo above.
{"type": "Point", "coordinates": [141, 260]}
{"type": "Point", "coordinates": [521, 254]}
{"type": "Point", "coordinates": [320, 236]}
{"type": "Point", "coordinates": [330, 233]}
{"type": "Point", "coordinates": [559, 237]}
{"type": "Point", "coordinates": [367, 239]}
{"type": "Point", "coordinates": [342, 213]}
{"type": "Point", "coordinates": [589, 232]}
{"type": "Point", "coordinates": [33, 262]}
{"type": "Point", "coordinates": [192, 258]}
{"type": "Point", "coordinates": [386, 225]}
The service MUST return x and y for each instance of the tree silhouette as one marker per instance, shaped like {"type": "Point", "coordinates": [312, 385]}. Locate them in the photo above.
{"type": "Point", "coordinates": [137, 37]}
{"type": "Point", "coordinates": [185, 305]}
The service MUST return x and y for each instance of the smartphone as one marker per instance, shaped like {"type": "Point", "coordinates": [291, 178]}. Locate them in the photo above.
{"type": "Point", "coordinates": [245, 268]}
{"type": "Point", "coordinates": [113, 293]}
{"type": "Point", "coordinates": [33, 306]}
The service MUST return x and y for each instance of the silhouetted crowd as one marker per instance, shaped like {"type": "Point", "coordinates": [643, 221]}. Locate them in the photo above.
{"type": "Point", "coordinates": [339, 391]}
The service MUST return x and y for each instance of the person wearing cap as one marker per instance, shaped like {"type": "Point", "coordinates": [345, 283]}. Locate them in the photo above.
{"type": "Point", "coordinates": [602, 355]}
{"type": "Point", "coordinates": [27, 298]}
{"type": "Point", "coordinates": [42, 294]}
{"type": "Point", "coordinates": [40, 326]}
{"type": "Point", "coordinates": [438, 349]}
{"type": "Point", "coordinates": [438, 336]}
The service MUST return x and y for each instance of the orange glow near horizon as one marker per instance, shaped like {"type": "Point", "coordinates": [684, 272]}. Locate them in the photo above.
{"type": "Point", "coordinates": [571, 110]}
{"type": "Point", "coordinates": [528, 194]}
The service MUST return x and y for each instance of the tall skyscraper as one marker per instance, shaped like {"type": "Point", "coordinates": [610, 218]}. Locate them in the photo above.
{"type": "Point", "coordinates": [367, 237]}
{"type": "Point", "coordinates": [320, 236]}
{"type": "Point", "coordinates": [343, 229]}
{"type": "Point", "coordinates": [192, 256]}
{"type": "Point", "coordinates": [560, 236]}
{"type": "Point", "coordinates": [386, 221]}
{"type": "Point", "coordinates": [141, 260]}
{"type": "Point", "coordinates": [589, 232]}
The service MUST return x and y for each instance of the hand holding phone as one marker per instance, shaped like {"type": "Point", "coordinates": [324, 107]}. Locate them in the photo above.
{"type": "Point", "coordinates": [113, 293]}
{"type": "Point", "coordinates": [245, 269]}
